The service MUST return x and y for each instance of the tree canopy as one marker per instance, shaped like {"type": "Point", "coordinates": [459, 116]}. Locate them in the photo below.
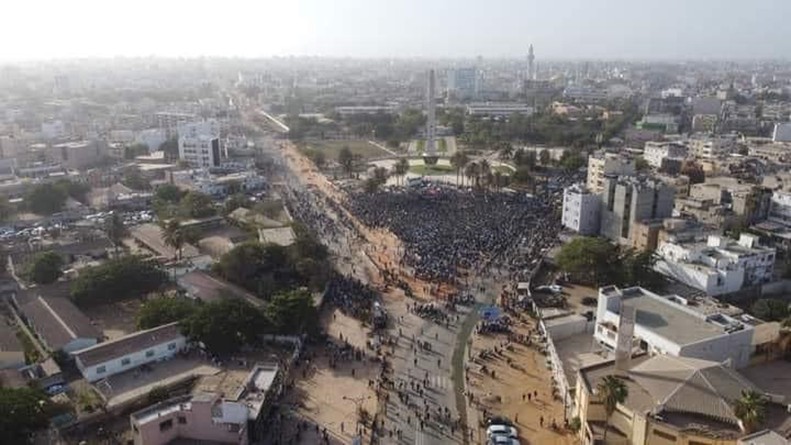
{"type": "Point", "coordinates": [597, 261]}
{"type": "Point", "coordinates": [293, 313]}
{"type": "Point", "coordinates": [46, 199]}
{"type": "Point", "coordinates": [224, 326]}
{"type": "Point", "coordinates": [117, 279]}
{"type": "Point", "coordinates": [24, 411]}
{"type": "Point", "coordinates": [770, 309]}
{"type": "Point", "coordinates": [163, 310]}
{"type": "Point", "coordinates": [196, 205]}
{"type": "Point", "coordinates": [267, 269]}
{"type": "Point", "coordinates": [44, 267]}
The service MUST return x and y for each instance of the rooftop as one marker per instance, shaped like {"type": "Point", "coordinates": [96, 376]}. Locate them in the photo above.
{"type": "Point", "coordinates": [59, 321]}
{"type": "Point", "coordinates": [128, 344]}
{"type": "Point", "coordinates": [669, 318]}
{"type": "Point", "coordinates": [8, 339]}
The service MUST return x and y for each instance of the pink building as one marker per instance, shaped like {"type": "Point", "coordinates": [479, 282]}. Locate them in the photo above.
{"type": "Point", "coordinates": [201, 417]}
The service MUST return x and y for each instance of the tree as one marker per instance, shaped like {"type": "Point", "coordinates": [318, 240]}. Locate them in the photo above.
{"type": "Point", "coordinates": [7, 210]}
{"type": "Point", "coordinates": [46, 199]}
{"type": "Point", "coordinates": [543, 157]}
{"type": "Point", "coordinates": [134, 179]}
{"type": "Point", "coordinates": [346, 160]}
{"type": "Point", "coordinates": [750, 409]}
{"type": "Point", "coordinates": [505, 150]}
{"type": "Point", "coordinates": [590, 260]}
{"type": "Point", "coordinates": [525, 158]}
{"type": "Point", "coordinates": [472, 171]}
{"type": "Point", "coordinates": [458, 161]}
{"type": "Point", "coordinates": [640, 164]}
{"type": "Point", "coordinates": [522, 175]}
{"type": "Point", "coordinates": [694, 171]}
{"type": "Point", "coordinates": [235, 201]}
{"type": "Point", "coordinates": [168, 193]}
{"type": "Point", "coordinates": [611, 391]}
{"type": "Point", "coordinates": [226, 325]}
{"type": "Point", "coordinates": [770, 309]}
{"type": "Point", "coordinates": [319, 159]}
{"type": "Point", "coordinates": [44, 268]}
{"type": "Point", "coordinates": [197, 205]}
{"type": "Point", "coordinates": [117, 279]}
{"type": "Point", "coordinates": [293, 313]}
{"type": "Point", "coordinates": [401, 168]}
{"type": "Point", "coordinates": [115, 230]}
{"type": "Point", "coordinates": [171, 149]}
{"type": "Point", "coordinates": [23, 411]}
{"type": "Point", "coordinates": [571, 160]}
{"type": "Point", "coordinates": [163, 310]}
{"type": "Point", "coordinates": [498, 180]}
{"type": "Point", "coordinates": [173, 235]}
{"type": "Point", "coordinates": [135, 150]}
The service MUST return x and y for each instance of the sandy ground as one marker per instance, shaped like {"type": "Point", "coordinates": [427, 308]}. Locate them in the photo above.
{"type": "Point", "coordinates": [329, 396]}
{"type": "Point", "coordinates": [503, 394]}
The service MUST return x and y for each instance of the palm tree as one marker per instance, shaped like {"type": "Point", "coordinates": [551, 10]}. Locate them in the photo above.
{"type": "Point", "coordinates": [498, 179]}
{"type": "Point", "coordinates": [173, 236]}
{"type": "Point", "coordinates": [458, 161]}
{"type": "Point", "coordinates": [611, 391]}
{"type": "Point", "coordinates": [750, 409]}
{"type": "Point", "coordinates": [506, 150]}
{"type": "Point", "coordinates": [471, 171]}
{"type": "Point", "coordinates": [484, 169]}
{"type": "Point", "coordinates": [401, 168]}
{"type": "Point", "coordinates": [115, 230]}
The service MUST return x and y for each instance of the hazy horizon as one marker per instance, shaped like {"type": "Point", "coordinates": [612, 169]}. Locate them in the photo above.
{"type": "Point", "coordinates": [447, 29]}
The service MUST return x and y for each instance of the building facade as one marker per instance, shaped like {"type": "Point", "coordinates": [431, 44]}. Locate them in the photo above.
{"type": "Point", "coordinates": [655, 152]}
{"type": "Point", "coordinates": [627, 200]}
{"type": "Point", "coordinates": [671, 325]}
{"type": "Point", "coordinates": [601, 164]}
{"type": "Point", "coordinates": [719, 266]}
{"type": "Point", "coordinates": [581, 210]}
{"type": "Point", "coordinates": [464, 83]}
{"type": "Point", "coordinates": [129, 352]}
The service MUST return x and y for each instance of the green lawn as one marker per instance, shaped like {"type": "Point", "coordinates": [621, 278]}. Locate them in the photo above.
{"type": "Point", "coordinates": [421, 146]}
{"type": "Point", "coordinates": [432, 170]}
{"type": "Point", "coordinates": [442, 145]}
{"type": "Point", "coordinates": [332, 148]}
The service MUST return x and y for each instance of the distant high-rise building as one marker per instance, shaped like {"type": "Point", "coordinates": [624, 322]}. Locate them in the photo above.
{"type": "Point", "coordinates": [531, 64]}
{"type": "Point", "coordinates": [464, 83]}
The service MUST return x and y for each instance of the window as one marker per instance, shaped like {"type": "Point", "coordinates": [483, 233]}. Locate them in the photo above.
{"type": "Point", "coordinates": [125, 361]}
{"type": "Point", "coordinates": [171, 346]}
{"type": "Point", "coordinates": [166, 425]}
{"type": "Point", "coordinates": [664, 435]}
{"type": "Point", "coordinates": [150, 353]}
{"type": "Point", "coordinates": [182, 420]}
{"type": "Point", "coordinates": [101, 370]}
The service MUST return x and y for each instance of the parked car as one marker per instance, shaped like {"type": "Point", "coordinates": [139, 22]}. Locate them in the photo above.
{"type": "Point", "coordinates": [501, 430]}
{"type": "Point", "coordinates": [503, 440]}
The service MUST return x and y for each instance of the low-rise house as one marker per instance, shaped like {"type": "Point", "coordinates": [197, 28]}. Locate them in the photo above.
{"type": "Point", "coordinates": [129, 352]}
{"type": "Point", "coordinates": [720, 265]}
{"type": "Point", "coordinates": [671, 400]}
{"type": "Point", "coordinates": [60, 324]}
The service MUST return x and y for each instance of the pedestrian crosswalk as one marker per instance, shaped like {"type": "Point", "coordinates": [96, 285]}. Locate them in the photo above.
{"type": "Point", "coordinates": [440, 382]}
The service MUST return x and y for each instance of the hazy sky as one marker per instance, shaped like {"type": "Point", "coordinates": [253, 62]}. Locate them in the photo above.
{"type": "Point", "coordinates": [691, 29]}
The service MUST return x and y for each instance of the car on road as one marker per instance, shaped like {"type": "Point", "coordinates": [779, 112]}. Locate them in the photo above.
{"type": "Point", "coordinates": [503, 440]}
{"type": "Point", "coordinates": [501, 430]}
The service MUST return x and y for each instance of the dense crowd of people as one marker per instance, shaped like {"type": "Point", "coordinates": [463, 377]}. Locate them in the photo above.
{"type": "Point", "coordinates": [447, 231]}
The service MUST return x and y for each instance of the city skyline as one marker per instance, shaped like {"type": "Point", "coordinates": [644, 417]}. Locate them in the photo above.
{"type": "Point", "coordinates": [569, 29]}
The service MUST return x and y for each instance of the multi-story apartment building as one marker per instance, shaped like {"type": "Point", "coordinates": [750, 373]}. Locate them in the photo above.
{"type": "Point", "coordinates": [627, 200]}
{"type": "Point", "coordinates": [601, 164]}
{"type": "Point", "coordinates": [655, 152]}
{"type": "Point", "coordinates": [720, 265]}
{"type": "Point", "coordinates": [464, 83]}
{"type": "Point", "coordinates": [581, 210]}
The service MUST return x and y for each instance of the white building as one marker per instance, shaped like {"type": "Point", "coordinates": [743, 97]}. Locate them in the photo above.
{"type": "Point", "coordinates": [581, 210]}
{"type": "Point", "coordinates": [709, 148]}
{"type": "Point", "coordinates": [719, 266]}
{"type": "Point", "coordinates": [601, 164]}
{"type": "Point", "coordinates": [782, 132]}
{"type": "Point", "coordinates": [780, 208]}
{"type": "Point", "coordinates": [129, 352]}
{"type": "Point", "coordinates": [671, 325]}
{"type": "Point", "coordinates": [584, 93]}
{"type": "Point", "coordinates": [498, 109]}
{"type": "Point", "coordinates": [655, 152]}
{"type": "Point", "coordinates": [201, 180]}
{"type": "Point", "coordinates": [199, 143]}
